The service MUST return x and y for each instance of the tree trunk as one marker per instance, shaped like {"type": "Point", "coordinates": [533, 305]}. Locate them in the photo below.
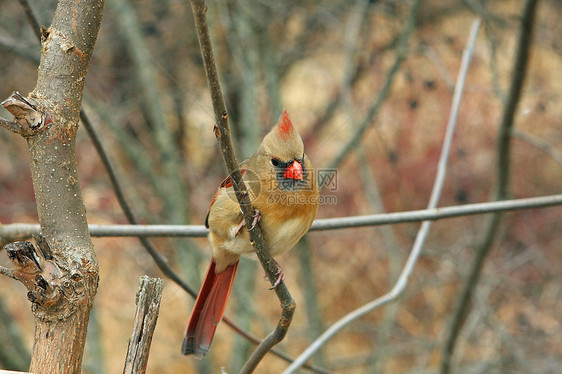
{"type": "Point", "coordinates": [62, 277]}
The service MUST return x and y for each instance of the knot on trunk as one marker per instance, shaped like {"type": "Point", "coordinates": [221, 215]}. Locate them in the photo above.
{"type": "Point", "coordinates": [30, 120]}
{"type": "Point", "coordinates": [47, 280]}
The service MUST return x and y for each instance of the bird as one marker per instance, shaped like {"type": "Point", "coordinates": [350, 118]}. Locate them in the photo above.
{"type": "Point", "coordinates": [283, 190]}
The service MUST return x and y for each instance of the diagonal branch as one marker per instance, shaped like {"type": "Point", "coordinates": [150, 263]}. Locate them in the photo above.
{"type": "Point", "coordinates": [402, 281]}
{"type": "Point", "coordinates": [31, 18]}
{"type": "Point", "coordinates": [539, 143]}
{"type": "Point", "coordinates": [401, 52]}
{"type": "Point", "coordinates": [503, 165]}
{"type": "Point", "coordinates": [222, 131]}
{"type": "Point", "coordinates": [160, 260]}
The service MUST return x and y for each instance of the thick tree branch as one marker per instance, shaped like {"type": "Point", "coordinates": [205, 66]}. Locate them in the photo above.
{"type": "Point", "coordinates": [222, 131]}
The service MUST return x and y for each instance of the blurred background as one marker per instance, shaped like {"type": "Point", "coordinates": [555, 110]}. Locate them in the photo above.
{"type": "Point", "coordinates": [337, 67]}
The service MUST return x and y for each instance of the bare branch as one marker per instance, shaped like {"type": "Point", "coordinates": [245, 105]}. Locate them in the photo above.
{"type": "Point", "coordinates": [222, 131]}
{"type": "Point", "coordinates": [8, 272]}
{"type": "Point", "coordinates": [436, 214]}
{"type": "Point", "coordinates": [402, 281]}
{"type": "Point", "coordinates": [31, 19]}
{"type": "Point", "coordinates": [503, 166]}
{"type": "Point", "coordinates": [539, 143]}
{"type": "Point", "coordinates": [24, 230]}
{"type": "Point", "coordinates": [9, 125]}
{"type": "Point", "coordinates": [401, 50]}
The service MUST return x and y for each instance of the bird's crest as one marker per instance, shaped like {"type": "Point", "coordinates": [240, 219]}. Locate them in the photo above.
{"type": "Point", "coordinates": [285, 126]}
{"type": "Point", "coordinates": [283, 141]}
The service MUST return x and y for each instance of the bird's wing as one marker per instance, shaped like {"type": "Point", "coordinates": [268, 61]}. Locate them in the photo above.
{"type": "Point", "coordinates": [226, 183]}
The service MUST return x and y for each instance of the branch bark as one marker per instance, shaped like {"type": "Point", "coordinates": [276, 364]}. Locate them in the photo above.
{"type": "Point", "coordinates": [148, 307]}
{"type": "Point", "coordinates": [62, 281]}
{"type": "Point", "coordinates": [222, 132]}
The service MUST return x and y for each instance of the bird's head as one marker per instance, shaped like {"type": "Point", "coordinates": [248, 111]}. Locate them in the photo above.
{"type": "Point", "coordinates": [282, 150]}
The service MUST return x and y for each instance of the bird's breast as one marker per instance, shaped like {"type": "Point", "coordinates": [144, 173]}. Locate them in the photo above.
{"type": "Point", "coordinates": [284, 235]}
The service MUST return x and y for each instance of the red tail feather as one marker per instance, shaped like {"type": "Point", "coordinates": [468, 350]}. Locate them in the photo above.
{"type": "Point", "coordinates": [208, 310]}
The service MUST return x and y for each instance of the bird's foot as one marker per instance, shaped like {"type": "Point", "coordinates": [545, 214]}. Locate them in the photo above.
{"type": "Point", "coordinates": [235, 230]}
{"type": "Point", "coordinates": [257, 218]}
{"type": "Point", "coordinates": [280, 276]}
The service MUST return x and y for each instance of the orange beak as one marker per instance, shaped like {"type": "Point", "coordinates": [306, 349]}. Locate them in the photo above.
{"type": "Point", "coordinates": [294, 171]}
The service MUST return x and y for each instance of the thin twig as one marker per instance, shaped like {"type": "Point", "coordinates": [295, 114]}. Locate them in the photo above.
{"type": "Point", "coordinates": [539, 143]}
{"type": "Point", "coordinates": [9, 125]}
{"type": "Point", "coordinates": [401, 51]}
{"type": "Point", "coordinates": [16, 231]}
{"type": "Point", "coordinates": [502, 187]}
{"type": "Point", "coordinates": [222, 130]}
{"type": "Point", "coordinates": [402, 281]}
{"type": "Point", "coordinates": [11, 273]}
{"type": "Point", "coordinates": [160, 260]}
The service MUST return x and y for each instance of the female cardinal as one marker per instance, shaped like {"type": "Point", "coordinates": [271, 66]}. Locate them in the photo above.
{"type": "Point", "coordinates": [284, 192]}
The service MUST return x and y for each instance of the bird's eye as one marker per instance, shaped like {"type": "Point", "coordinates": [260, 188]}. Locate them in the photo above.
{"type": "Point", "coordinates": [275, 162]}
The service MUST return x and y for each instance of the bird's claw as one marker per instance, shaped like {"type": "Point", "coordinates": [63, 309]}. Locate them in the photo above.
{"type": "Point", "coordinates": [235, 230]}
{"type": "Point", "coordinates": [280, 276]}
{"type": "Point", "coordinates": [257, 218]}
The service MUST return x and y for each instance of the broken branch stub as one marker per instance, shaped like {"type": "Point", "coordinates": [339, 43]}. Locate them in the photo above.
{"type": "Point", "coordinates": [47, 283]}
{"type": "Point", "coordinates": [148, 307]}
{"type": "Point", "coordinates": [29, 119]}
